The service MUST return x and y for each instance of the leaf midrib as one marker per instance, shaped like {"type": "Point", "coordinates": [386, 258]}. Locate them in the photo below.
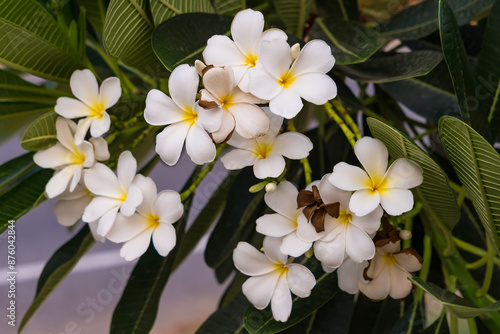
{"type": "Point", "coordinates": [333, 39]}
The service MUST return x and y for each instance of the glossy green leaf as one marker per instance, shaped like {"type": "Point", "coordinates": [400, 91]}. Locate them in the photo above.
{"type": "Point", "coordinates": [41, 134]}
{"type": "Point", "coordinates": [12, 170]}
{"type": "Point", "coordinates": [262, 321]}
{"type": "Point", "coordinates": [58, 267]}
{"type": "Point", "coordinates": [476, 163]}
{"type": "Point", "coordinates": [10, 110]}
{"type": "Point", "coordinates": [455, 304]}
{"type": "Point", "coordinates": [127, 35]}
{"type": "Point", "coordinates": [13, 88]}
{"type": "Point", "coordinates": [33, 42]}
{"type": "Point", "coordinates": [340, 9]}
{"type": "Point", "coordinates": [96, 13]}
{"type": "Point", "coordinates": [163, 10]}
{"type": "Point", "coordinates": [25, 196]}
{"type": "Point", "coordinates": [394, 67]}
{"type": "Point", "coordinates": [351, 42]}
{"type": "Point", "coordinates": [227, 7]}
{"type": "Point", "coordinates": [488, 71]}
{"type": "Point", "coordinates": [182, 39]}
{"type": "Point", "coordinates": [456, 59]}
{"type": "Point", "coordinates": [228, 319]}
{"type": "Point", "coordinates": [294, 13]}
{"type": "Point", "coordinates": [434, 192]}
{"type": "Point", "coordinates": [421, 19]}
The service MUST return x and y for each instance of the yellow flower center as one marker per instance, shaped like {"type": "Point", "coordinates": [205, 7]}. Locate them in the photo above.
{"type": "Point", "coordinates": [153, 221]}
{"type": "Point", "coordinates": [344, 217]}
{"type": "Point", "coordinates": [78, 158]}
{"type": "Point", "coordinates": [190, 115]}
{"type": "Point", "coordinates": [286, 80]}
{"type": "Point", "coordinates": [123, 197]}
{"type": "Point", "coordinates": [262, 150]}
{"type": "Point", "coordinates": [251, 60]}
{"type": "Point", "coordinates": [226, 101]}
{"type": "Point", "coordinates": [389, 258]}
{"type": "Point", "coordinates": [97, 110]}
{"type": "Point", "coordinates": [376, 185]}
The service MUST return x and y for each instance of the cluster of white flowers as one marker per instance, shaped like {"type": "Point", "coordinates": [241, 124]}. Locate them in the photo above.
{"type": "Point", "coordinates": [338, 217]}
{"type": "Point", "coordinates": [123, 208]}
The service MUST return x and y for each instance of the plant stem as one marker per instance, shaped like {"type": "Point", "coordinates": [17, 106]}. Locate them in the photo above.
{"type": "Point", "coordinates": [348, 120]}
{"type": "Point", "coordinates": [347, 132]}
{"type": "Point", "coordinates": [192, 188]}
{"type": "Point", "coordinates": [474, 250]}
{"type": "Point", "coordinates": [489, 270]}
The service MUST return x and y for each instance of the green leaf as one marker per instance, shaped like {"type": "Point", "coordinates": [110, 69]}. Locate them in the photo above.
{"type": "Point", "coordinates": [262, 321]}
{"type": "Point", "coordinates": [458, 306]}
{"type": "Point", "coordinates": [351, 42]}
{"type": "Point", "coordinates": [228, 319]}
{"type": "Point", "coordinates": [488, 71]}
{"type": "Point", "coordinates": [340, 9]}
{"type": "Point", "coordinates": [163, 10]}
{"type": "Point", "coordinates": [476, 163]}
{"type": "Point", "coordinates": [41, 134]}
{"type": "Point", "coordinates": [421, 20]}
{"type": "Point", "coordinates": [182, 39]}
{"type": "Point", "coordinates": [9, 110]}
{"type": "Point", "coordinates": [12, 170]}
{"type": "Point", "coordinates": [440, 326]}
{"type": "Point", "coordinates": [127, 35]}
{"type": "Point", "coordinates": [436, 195]}
{"type": "Point", "coordinates": [25, 196]}
{"type": "Point", "coordinates": [96, 13]}
{"type": "Point", "coordinates": [394, 67]}
{"type": "Point", "coordinates": [227, 7]}
{"type": "Point", "coordinates": [13, 88]}
{"type": "Point", "coordinates": [456, 59]}
{"type": "Point", "coordinates": [294, 14]}
{"type": "Point", "coordinates": [58, 267]}
{"type": "Point", "coordinates": [32, 41]}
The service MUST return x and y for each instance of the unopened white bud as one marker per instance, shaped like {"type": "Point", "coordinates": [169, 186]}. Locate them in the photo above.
{"type": "Point", "coordinates": [199, 66]}
{"type": "Point", "coordinates": [294, 51]}
{"type": "Point", "coordinates": [270, 187]}
{"type": "Point", "coordinates": [405, 234]}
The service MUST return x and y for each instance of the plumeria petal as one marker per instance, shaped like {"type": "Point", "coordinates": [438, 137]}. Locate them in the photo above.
{"type": "Point", "coordinates": [260, 289]}
{"type": "Point", "coordinates": [272, 250]}
{"type": "Point", "coordinates": [134, 198]}
{"type": "Point", "coordinates": [359, 245]}
{"type": "Point", "coordinates": [127, 228]}
{"type": "Point", "coordinates": [251, 120]}
{"type": "Point", "coordinates": [168, 206]}
{"type": "Point", "coordinates": [317, 88]}
{"type": "Point", "coordinates": [294, 246]}
{"type": "Point", "coordinates": [170, 141]}
{"type": "Point", "coordinates": [292, 145]}
{"type": "Point", "coordinates": [237, 159]}
{"type": "Point", "coordinates": [101, 180]}
{"type": "Point", "coordinates": [199, 146]}
{"type": "Point", "coordinates": [77, 174]}
{"type": "Point", "coordinates": [403, 173]}
{"type": "Point", "coordinates": [137, 246]}
{"type": "Point", "coordinates": [409, 260]}
{"type": "Point", "coordinates": [84, 86]}
{"type": "Point", "coordinates": [271, 166]}
{"type": "Point", "coordinates": [396, 201]}
{"type": "Point", "coordinates": [183, 85]}
{"type": "Point", "coordinates": [65, 135]}
{"type": "Point", "coordinates": [300, 280]}
{"type": "Point", "coordinates": [98, 206]}
{"type": "Point", "coordinates": [226, 128]}
{"type": "Point", "coordinates": [72, 108]}
{"type": "Point", "coordinates": [246, 30]}
{"type": "Point", "coordinates": [100, 125]}
{"type": "Point", "coordinates": [364, 201]}
{"type": "Point", "coordinates": [161, 109]}
{"type": "Point", "coordinates": [219, 81]}
{"type": "Point", "coordinates": [68, 212]}
{"type": "Point", "coordinates": [286, 104]}
{"type": "Point", "coordinates": [262, 84]}
{"type": "Point", "coordinates": [82, 128]}
{"type": "Point", "coordinates": [281, 302]}
{"type": "Point", "coordinates": [106, 221]}
{"type": "Point", "coordinates": [370, 222]}
{"type": "Point", "coordinates": [348, 177]}
{"type": "Point", "coordinates": [349, 274]}
{"type": "Point", "coordinates": [306, 231]}
{"type": "Point", "coordinates": [149, 193]}
{"type": "Point", "coordinates": [275, 225]}
{"type": "Point", "coordinates": [373, 155]}
{"type": "Point", "coordinates": [284, 200]}
{"type": "Point", "coordinates": [331, 253]}
{"type": "Point", "coordinates": [331, 194]}
{"type": "Point", "coordinates": [53, 157]}
{"type": "Point", "coordinates": [275, 56]}
{"type": "Point", "coordinates": [59, 182]}
{"type": "Point", "coordinates": [164, 239]}
{"type": "Point", "coordinates": [221, 51]}
{"type": "Point", "coordinates": [400, 284]}
{"type": "Point", "coordinates": [250, 261]}
{"type": "Point", "coordinates": [377, 289]}
{"type": "Point", "coordinates": [127, 167]}
{"type": "Point", "coordinates": [210, 119]}
{"type": "Point", "coordinates": [315, 56]}
{"type": "Point", "coordinates": [101, 150]}
{"type": "Point", "coordinates": [110, 92]}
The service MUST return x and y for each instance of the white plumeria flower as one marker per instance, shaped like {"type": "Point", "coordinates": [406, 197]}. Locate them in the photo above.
{"type": "Point", "coordinates": [266, 153]}
{"type": "Point", "coordinates": [375, 185]}
{"type": "Point", "coordinates": [242, 54]}
{"type": "Point", "coordinates": [273, 277]}
{"type": "Point", "coordinates": [154, 220]}
{"type": "Point", "coordinates": [91, 103]}
{"type": "Point", "coordinates": [348, 274]}
{"type": "Point", "coordinates": [350, 235]}
{"type": "Point", "coordinates": [69, 158]}
{"type": "Point", "coordinates": [284, 83]}
{"type": "Point", "coordinates": [283, 224]}
{"type": "Point", "coordinates": [69, 209]}
{"type": "Point", "coordinates": [239, 112]}
{"type": "Point", "coordinates": [186, 120]}
{"type": "Point", "coordinates": [112, 193]}
{"type": "Point", "coordinates": [389, 270]}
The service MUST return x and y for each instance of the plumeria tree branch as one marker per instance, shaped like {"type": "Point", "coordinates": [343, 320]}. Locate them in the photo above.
{"type": "Point", "coordinates": [343, 126]}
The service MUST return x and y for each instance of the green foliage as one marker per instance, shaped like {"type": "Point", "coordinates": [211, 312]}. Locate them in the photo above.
{"type": "Point", "coordinates": [13, 88]}
{"type": "Point", "coordinates": [227, 319]}
{"type": "Point", "coordinates": [13, 170]}
{"type": "Point", "coordinates": [182, 39]}
{"type": "Point", "coordinates": [294, 14]}
{"type": "Point", "coordinates": [394, 67]}
{"type": "Point", "coordinates": [58, 267]}
{"type": "Point", "coordinates": [351, 42]}
{"type": "Point", "coordinates": [10, 110]}
{"type": "Point", "coordinates": [455, 304]}
{"type": "Point", "coordinates": [41, 134]}
{"type": "Point", "coordinates": [33, 42]}
{"type": "Point", "coordinates": [476, 163]}
{"type": "Point", "coordinates": [162, 10]}
{"type": "Point", "coordinates": [96, 13]}
{"type": "Point", "coordinates": [228, 7]}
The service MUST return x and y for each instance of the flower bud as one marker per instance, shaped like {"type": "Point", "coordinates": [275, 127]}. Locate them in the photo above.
{"type": "Point", "coordinates": [405, 234]}
{"type": "Point", "coordinates": [270, 187]}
